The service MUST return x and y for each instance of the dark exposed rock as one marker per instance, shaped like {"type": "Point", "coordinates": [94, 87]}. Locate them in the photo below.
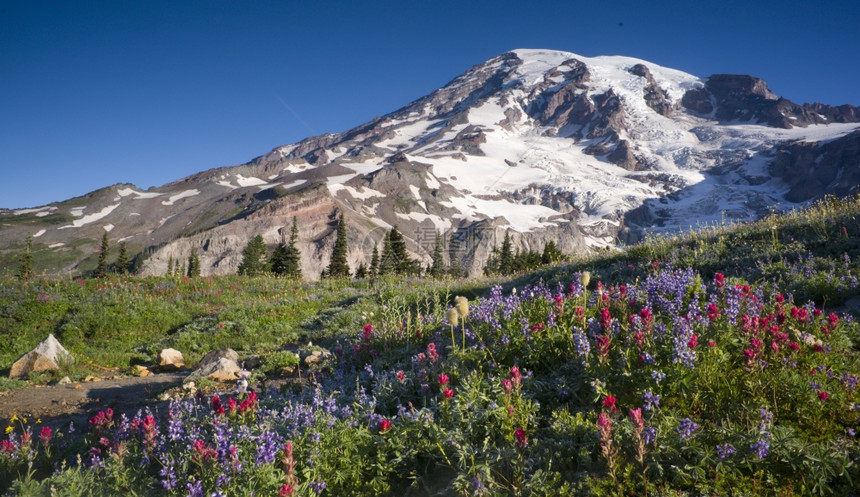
{"type": "Point", "coordinates": [623, 156]}
{"type": "Point", "coordinates": [655, 97]}
{"type": "Point", "coordinates": [610, 116]}
{"type": "Point", "coordinates": [812, 170]}
{"type": "Point", "coordinates": [468, 140]}
{"type": "Point", "coordinates": [698, 100]}
{"type": "Point", "coordinates": [746, 98]}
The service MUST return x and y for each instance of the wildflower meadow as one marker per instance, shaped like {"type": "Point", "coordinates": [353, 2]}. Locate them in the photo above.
{"type": "Point", "coordinates": [636, 374]}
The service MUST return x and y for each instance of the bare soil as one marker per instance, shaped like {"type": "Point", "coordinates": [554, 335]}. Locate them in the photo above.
{"type": "Point", "coordinates": [58, 405]}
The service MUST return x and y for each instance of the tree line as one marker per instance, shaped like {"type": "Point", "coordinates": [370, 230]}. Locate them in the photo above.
{"type": "Point", "coordinates": [285, 261]}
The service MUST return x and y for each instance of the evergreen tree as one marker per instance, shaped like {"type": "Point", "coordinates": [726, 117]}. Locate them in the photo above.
{"type": "Point", "coordinates": [361, 272]}
{"type": "Point", "coordinates": [122, 260]}
{"type": "Point", "coordinates": [101, 268]}
{"type": "Point", "coordinates": [193, 264]}
{"type": "Point", "coordinates": [492, 265]}
{"type": "Point", "coordinates": [170, 266]}
{"type": "Point", "coordinates": [402, 261]}
{"type": "Point", "coordinates": [338, 266]}
{"type": "Point", "coordinates": [387, 264]}
{"type": "Point", "coordinates": [437, 270]}
{"type": "Point", "coordinates": [278, 261]}
{"type": "Point", "coordinates": [182, 270]}
{"type": "Point", "coordinates": [506, 257]}
{"type": "Point", "coordinates": [394, 258]}
{"type": "Point", "coordinates": [374, 262]}
{"type": "Point", "coordinates": [551, 254]}
{"type": "Point", "coordinates": [25, 263]}
{"type": "Point", "coordinates": [293, 258]}
{"type": "Point", "coordinates": [454, 268]}
{"type": "Point", "coordinates": [254, 257]}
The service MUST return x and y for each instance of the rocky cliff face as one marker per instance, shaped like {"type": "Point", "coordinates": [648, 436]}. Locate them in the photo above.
{"type": "Point", "coordinates": [543, 145]}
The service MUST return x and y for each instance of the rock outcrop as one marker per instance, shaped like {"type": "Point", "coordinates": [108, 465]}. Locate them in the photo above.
{"type": "Point", "coordinates": [48, 355]}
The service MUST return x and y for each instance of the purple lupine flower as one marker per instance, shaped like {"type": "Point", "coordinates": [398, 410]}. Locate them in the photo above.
{"type": "Point", "coordinates": [580, 343]}
{"type": "Point", "coordinates": [649, 435]}
{"type": "Point", "coordinates": [195, 488]}
{"type": "Point", "coordinates": [686, 428]}
{"type": "Point", "coordinates": [724, 451]}
{"type": "Point", "coordinates": [651, 399]}
{"type": "Point", "coordinates": [317, 486]}
{"type": "Point", "coordinates": [168, 476]}
{"type": "Point", "coordinates": [268, 447]}
{"type": "Point", "coordinates": [762, 446]}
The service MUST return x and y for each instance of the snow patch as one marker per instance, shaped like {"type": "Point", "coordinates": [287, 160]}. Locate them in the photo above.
{"type": "Point", "coordinates": [30, 211]}
{"type": "Point", "coordinates": [39, 233]}
{"type": "Point", "coordinates": [55, 245]}
{"type": "Point", "coordinates": [108, 227]}
{"type": "Point", "coordinates": [521, 218]}
{"type": "Point", "coordinates": [365, 194]}
{"type": "Point", "coordinates": [250, 181]}
{"type": "Point", "coordinates": [90, 218]}
{"type": "Point", "coordinates": [125, 192]}
{"type": "Point", "coordinates": [185, 194]}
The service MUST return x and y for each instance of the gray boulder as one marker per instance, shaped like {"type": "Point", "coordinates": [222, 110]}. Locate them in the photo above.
{"type": "Point", "coordinates": [46, 356]}
{"type": "Point", "coordinates": [218, 365]}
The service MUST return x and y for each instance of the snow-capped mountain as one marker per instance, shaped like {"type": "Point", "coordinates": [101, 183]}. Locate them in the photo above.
{"type": "Point", "coordinates": [545, 145]}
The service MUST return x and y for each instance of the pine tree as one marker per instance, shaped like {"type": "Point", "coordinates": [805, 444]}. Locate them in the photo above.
{"type": "Point", "coordinates": [101, 268]}
{"type": "Point", "coordinates": [25, 263]}
{"type": "Point", "coordinates": [374, 262]}
{"type": "Point", "coordinates": [278, 261]}
{"type": "Point", "coordinates": [454, 268]}
{"type": "Point", "coordinates": [361, 272]}
{"type": "Point", "coordinates": [492, 265]}
{"type": "Point", "coordinates": [339, 267]}
{"type": "Point", "coordinates": [551, 254]}
{"type": "Point", "coordinates": [122, 259]}
{"type": "Point", "coordinates": [387, 264]}
{"type": "Point", "coordinates": [292, 257]}
{"type": "Point", "coordinates": [437, 270]}
{"type": "Point", "coordinates": [506, 257]}
{"type": "Point", "coordinates": [170, 266]}
{"type": "Point", "coordinates": [254, 257]}
{"type": "Point", "coordinates": [402, 262]}
{"type": "Point", "coordinates": [193, 264]}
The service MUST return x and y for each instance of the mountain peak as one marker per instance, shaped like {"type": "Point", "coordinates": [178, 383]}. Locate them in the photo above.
{"type": "Point", "coordinates": [541, 144]}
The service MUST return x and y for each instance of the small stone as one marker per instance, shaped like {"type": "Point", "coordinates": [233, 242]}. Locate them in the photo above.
{"type": "Point", "coordinates": [189, 386]}
{"type": "Point", "coordinates": [171, 358]}
{"type": "Point", "coordinates": [65, 381]}
{"type": "Point", "coordinates": [141, 371]}
{"type": "Point", "coordinates": [92, 379]}
{"type": "Point", "coordinates": [317, 357]}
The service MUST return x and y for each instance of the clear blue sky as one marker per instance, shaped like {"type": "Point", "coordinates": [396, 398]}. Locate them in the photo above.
{"type": "Point", "coordinates": [146, 92]}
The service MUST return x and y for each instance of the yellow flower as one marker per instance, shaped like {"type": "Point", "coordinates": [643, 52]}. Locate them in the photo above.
{"type": "Point", "coordinates": [39, 421]}
{"type": "Point", "coordinates": [9, 429]}
{"type": "Point", "coordinates": [14, 418]}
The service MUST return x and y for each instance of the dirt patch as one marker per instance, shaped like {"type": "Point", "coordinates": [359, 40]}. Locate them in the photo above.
{"type": "Point", "coordinates": [57, 405]}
